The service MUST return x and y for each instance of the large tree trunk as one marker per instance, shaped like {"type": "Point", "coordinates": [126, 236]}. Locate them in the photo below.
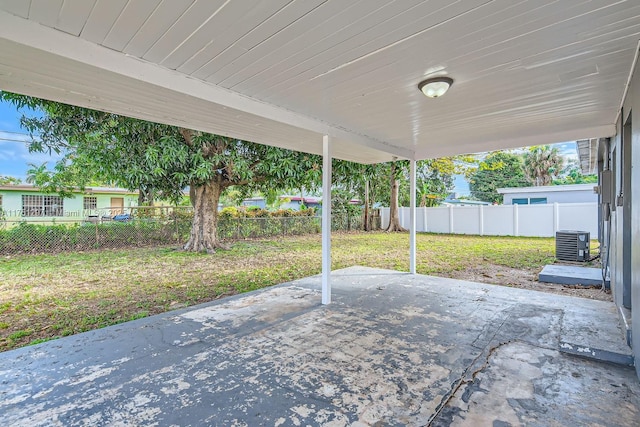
{"type": "Point", "coordinates": [394, 210]}
{"type": "Point", "coordinates": [204, 228]}
{"type": "Point", "coordinates": [145, 197]}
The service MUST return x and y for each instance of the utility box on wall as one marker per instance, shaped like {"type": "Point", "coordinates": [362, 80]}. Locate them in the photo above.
{"type": "Point", "coordinates": [572, 245]}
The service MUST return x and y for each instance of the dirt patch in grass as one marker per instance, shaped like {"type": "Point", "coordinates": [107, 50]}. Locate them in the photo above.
{"type": "Point", "coordinates": [527, 279]}
{"type": "Point", "coordinates": [47, 296]}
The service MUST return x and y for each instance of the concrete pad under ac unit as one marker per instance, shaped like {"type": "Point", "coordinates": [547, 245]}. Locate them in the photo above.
{"type": "Point", "coordinates": [571, 275]}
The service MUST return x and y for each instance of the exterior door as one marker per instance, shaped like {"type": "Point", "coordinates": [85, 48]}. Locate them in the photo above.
{"type": "Point", "coordinates": [117, 205]}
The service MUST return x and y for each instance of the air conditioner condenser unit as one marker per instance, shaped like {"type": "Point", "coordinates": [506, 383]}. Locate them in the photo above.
{"type": "Point", "coordinates": [572, 245]}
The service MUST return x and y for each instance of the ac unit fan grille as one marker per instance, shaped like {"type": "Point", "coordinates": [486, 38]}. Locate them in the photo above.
{"type": "Point", "coordinates": [572, 246]}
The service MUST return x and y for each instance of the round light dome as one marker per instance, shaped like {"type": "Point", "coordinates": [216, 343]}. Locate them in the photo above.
{"type": "Point", "coordinates": [435, 87]}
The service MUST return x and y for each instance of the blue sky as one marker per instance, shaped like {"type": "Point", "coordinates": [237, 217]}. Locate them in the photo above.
{"type": "Point", "coordinates": [15, 157]}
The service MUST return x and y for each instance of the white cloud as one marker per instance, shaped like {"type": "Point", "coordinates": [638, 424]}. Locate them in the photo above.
{"type": "Point", "coordinates": [39, 158]}
{"type": "Point", "coordinates": [15, 157]}
{"type": "Point", "coordinates": [7, 155]}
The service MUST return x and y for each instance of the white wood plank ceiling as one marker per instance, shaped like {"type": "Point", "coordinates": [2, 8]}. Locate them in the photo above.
{"type": "Point", "coordinates": [284, 72]}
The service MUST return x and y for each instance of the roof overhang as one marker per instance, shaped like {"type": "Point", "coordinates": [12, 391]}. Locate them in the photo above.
{"type": "Point", "coordinates": [286, 72]}
{"type": "Point", "coordinates": [87, 190]}
{"type": "Point", "coordinates": [588, 155]}
{"type": "Point", "coordinates": [547, 189]}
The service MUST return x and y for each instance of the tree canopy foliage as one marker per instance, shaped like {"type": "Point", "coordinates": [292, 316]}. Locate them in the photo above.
{"type": "Point", "coordinates": [573, 175]}
{"type": "Point", "coordinates": [499, 169]}
{"type": "Point", "coordinates": [9, 180]}
{"type": "Point", "coordinates": [158, 160]}
{"type": "Point", "coordinates": [435, 178]}
{"type": "Point", "coordinates": [542, 164]}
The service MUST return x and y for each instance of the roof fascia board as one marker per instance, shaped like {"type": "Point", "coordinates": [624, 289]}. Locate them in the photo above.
{"type": "Point", "coordinates": [547, 189]}
{"type": "Point", "coordinates": [518, 141]}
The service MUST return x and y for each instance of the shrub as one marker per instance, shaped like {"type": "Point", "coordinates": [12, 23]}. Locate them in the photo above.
{"type": "Point", "coordinates": [229, 212]}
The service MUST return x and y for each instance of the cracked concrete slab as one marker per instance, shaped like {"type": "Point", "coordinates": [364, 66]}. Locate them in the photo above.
{"type": "Point", "coordinates": [522, 384]}
{"type": "Point", "coordinates": [393, 349]}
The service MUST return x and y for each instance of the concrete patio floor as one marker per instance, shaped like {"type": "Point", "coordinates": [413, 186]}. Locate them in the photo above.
{"type": "Point", "coordinates": [392, 349]}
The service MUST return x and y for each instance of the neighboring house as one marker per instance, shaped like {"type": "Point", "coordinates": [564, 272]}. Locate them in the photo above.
{"type": "Point", "coordinates": [293, 202]}
{"type": "Point", "coordinates": [286, 202]}
{"type": "Point", "coordinates": [296, 202]}
{"type": "Point", "coordinates": [254, 201]}
{"type": "Point", "coordinates": [576, 193]}
{"type": "Point", "coordinates": [25, 202]}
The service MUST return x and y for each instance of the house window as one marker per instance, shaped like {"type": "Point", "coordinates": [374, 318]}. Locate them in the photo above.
{"type": "Point", "coordinates": [42, 206]}
{"type": "Point", "coordinates": [90, 203]}
{"type": "Point", "coordinates": [538, 201]}
{"type": "Point", "coordinates": [530, 201]}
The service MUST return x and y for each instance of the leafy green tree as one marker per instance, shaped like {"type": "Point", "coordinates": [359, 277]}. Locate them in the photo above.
{"type": "Point", "coordinates": [159, 160]}
{"type": "Point", "coordinates": [542, 163]}
{"type": "Point", "coordinates": [389, 182]}
{"type": "Point", "coordinates": [499, 169]}
{"type": "Point", "coordinates": [363, 181]}
{"type": "Point", "coordinates": [9, 180]}
{"type": "Point", "coordinates": [435, 177]}
{"type": "Point", "coordinates": [378, 182]}
{"type": "Point", "coordinates": [573, 175]}
{"type": "Point", "coordinates": [397, 170]}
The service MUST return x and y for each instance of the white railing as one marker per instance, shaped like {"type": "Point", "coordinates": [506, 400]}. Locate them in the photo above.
{"type": "Point", "coordinates": [503, 220]}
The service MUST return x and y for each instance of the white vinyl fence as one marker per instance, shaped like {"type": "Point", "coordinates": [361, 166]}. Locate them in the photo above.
{"type": "Point", "coordinates": [503, 220]}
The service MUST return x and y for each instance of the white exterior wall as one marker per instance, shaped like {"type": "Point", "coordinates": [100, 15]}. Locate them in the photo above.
{"type": "Point", "coordinates": [503, 220]}
{"type": "Point", "coordinates": [579, 193]}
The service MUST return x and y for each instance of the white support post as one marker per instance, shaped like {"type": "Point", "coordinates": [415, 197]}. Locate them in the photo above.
{"type": "Point", "coordinates": [481, 220]}
{"type": "Point", "coordinates": [326, 219]}
{"type": "Point", "coordinates": [516, 226]}
{"type": "Point", "coordinates": [556, 217]}
{"type": "Point", "coordinates": [412, 217]}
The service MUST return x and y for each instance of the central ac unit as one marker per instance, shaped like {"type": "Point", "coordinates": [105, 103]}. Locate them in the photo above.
{"type": "Point", "coordinates": [572, 245]}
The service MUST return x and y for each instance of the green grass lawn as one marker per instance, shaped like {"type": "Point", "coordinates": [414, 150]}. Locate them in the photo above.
{"type": "Point", "coordinates": [47, 296]}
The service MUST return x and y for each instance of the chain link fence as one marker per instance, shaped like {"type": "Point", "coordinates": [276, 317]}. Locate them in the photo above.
{"type": "Point", "coordinates": [65, 236]}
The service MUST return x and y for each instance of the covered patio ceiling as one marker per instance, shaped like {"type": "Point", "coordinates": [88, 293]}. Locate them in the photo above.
{"type": "Point", "coordinates": [286, 72]}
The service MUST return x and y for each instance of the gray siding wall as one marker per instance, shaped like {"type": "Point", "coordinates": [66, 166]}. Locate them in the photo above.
{"type": "Point", "coordinates": [627, 217]}
{"type": "Point", "coordinates": [617, 221]}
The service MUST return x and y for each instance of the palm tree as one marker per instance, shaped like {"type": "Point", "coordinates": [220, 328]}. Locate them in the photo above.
{"type": "Point", "coordinates": [542, 164]}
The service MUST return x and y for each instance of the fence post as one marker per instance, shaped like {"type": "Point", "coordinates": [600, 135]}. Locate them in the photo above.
{"type": "Point", "coordinates": [450, 219]}
{"type": "Point", "coordinates": [556, 217]}
{"type": "Point", "coordinates": [516, 228]}
{"type": "Point", "coordinates": [426, 223]}
{"type": "Point", "coordinates": [481, 220]}
{"type": "Point", "coordinates": [175, 220]}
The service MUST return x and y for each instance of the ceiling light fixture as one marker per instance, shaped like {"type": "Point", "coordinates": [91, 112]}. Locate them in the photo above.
{"type": "Point", "coordinates": [435, 87]}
